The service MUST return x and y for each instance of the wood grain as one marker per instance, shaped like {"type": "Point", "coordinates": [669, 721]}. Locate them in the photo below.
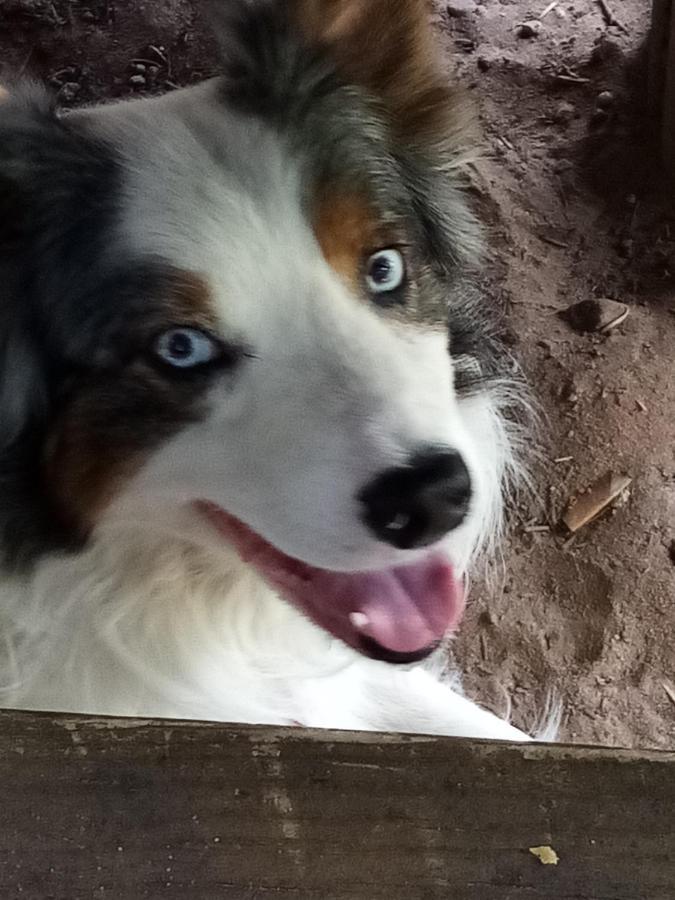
{"type": "Point", "coordinates": [124, 809]}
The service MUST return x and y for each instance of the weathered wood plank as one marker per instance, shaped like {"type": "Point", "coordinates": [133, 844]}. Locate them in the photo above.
{"type": "Point", "coordinates": [122, 809]}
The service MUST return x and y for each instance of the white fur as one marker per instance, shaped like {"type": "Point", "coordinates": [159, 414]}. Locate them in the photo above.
{"type": "Point", "coordinates": [146, 623]}
{"type": "Point", "coordinates": [157, 617]}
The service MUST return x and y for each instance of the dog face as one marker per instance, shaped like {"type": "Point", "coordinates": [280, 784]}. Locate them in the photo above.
{"type": "Point", "coordinates": [245, 298]}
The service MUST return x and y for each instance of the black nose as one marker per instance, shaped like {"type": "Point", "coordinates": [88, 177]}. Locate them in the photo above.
{"type": "Point", "coordinates": [417, 504]}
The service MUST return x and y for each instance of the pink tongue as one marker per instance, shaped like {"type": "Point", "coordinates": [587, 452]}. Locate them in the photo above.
{"type": "Point", "coordinates": [405, 609]}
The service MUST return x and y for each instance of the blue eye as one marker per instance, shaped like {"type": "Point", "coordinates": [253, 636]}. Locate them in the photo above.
{"type": "Point", "coordinates": [385, 271]}
{"type": "Point", "coordinates": [185, 348]}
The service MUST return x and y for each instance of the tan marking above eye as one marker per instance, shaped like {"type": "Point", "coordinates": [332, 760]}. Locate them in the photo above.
{"type": "Point", "coordinates": [347, 231]}
{"type": "Point", "coordinates": [189, 301]}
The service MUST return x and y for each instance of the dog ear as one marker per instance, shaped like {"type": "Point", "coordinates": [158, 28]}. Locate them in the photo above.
{"type": "Point", "coordinates": [384, 46]}
{"type": "Point", "coordinates": [26, 122]}
{"type": "Point", "coordinates": [387, 46]}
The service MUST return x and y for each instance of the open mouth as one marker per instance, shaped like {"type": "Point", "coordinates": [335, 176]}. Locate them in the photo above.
{"type": "Point", "coordinates": [398, 615]}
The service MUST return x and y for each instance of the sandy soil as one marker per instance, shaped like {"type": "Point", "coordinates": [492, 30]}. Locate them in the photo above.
{"type": "Point", "coordinates": [572, 198]}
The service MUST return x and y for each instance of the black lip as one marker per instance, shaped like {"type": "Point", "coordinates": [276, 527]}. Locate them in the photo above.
{"type": "Point", "coordinates": [371, 648]}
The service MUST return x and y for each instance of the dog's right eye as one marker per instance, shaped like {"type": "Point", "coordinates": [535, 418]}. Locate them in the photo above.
{"type": "Point", "coordinates": [385, 271]}
{"type": "Point", "coordinates": [187, 348]}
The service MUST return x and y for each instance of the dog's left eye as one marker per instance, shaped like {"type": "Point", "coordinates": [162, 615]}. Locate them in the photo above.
{"type": "Point", "coordinates": [385, 271]}
{"type": "Point", "coordinates": [186, 348]}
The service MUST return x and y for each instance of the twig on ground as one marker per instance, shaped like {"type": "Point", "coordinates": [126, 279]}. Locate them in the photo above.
{"type": "Point", "coordinates": [572, 79]}
{"type": "Point", "coordinates": [483, 647]}
{"type": "Point", "coordinates": [552, 5]}
{"type": "Point", "coordinates": [554, 242]}
{"type": "Point", "coordinates": [609, 17]}
{"type": "Point", "coordinates": [670, 692]}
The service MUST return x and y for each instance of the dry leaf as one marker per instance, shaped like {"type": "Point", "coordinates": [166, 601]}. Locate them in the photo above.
{"type": "Point", "coordinates": [585, 507]}
{"type": "Point", "coordinates": [546, 855]}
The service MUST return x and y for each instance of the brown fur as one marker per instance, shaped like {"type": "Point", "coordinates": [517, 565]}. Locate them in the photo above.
{"type": "Point", "coordinates": [84, 467]}
{"type": "Point", "coordinates": [388, 47]}
{"type": "Point", "coordinates": [347, 231]}
{"type": "Point", "coordinates": [189, 301]}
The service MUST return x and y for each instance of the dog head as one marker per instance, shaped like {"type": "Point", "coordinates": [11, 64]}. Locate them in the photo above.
{"type": "Point", "coordinates": [246, 298]}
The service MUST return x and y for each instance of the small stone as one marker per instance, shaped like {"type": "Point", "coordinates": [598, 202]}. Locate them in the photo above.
{"type": "Point", "coordinates": [137, 81]}
{"type": "Point", "coordinates": [138, 67]}
{"type": "Point", "coordinates": [68, 92]}
{"type": "Point", "coordinates": [87, 16]}
{"type": "Point", "coordinates": [564, 113]}
{"type": "Point", "coordinates": [529, 29]}
{"type": "Point", "coordinates": [601, 315]}
{"type": "Point", "coordinates": [483, 64]}
{"type": "Point", "coordinates": [460, 8]}
{"type": "Point", "coordinates": [568, 391]}
{"type": "Point", "coordinates": [605, 100]}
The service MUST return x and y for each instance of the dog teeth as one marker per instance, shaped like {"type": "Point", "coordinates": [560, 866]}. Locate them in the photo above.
{"type": "Point", "coordinates": [359, 620]}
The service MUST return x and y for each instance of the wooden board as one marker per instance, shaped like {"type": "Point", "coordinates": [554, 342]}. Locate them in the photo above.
{"type": "Point", "coordinates": [121, 809]}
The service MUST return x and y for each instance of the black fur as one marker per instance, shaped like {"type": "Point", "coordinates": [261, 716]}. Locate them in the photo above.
{"type": "Point", "coordinates": [67, 306]}
{"type": "Point", "coordinates": [268, 70]}
{"type": "Point", "coordinates": [476, 342]}
{"type": "Point", "coordinates": [56, 200]}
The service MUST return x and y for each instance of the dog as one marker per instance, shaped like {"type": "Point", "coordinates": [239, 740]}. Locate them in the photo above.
{"type": "Point", "coordinates": [254, 420]}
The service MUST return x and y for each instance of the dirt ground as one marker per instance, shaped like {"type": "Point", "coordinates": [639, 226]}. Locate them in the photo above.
{"type": "Point", "coordinates": [574, 195]}
{"type": "Point", "coordinates": [573, 199]}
